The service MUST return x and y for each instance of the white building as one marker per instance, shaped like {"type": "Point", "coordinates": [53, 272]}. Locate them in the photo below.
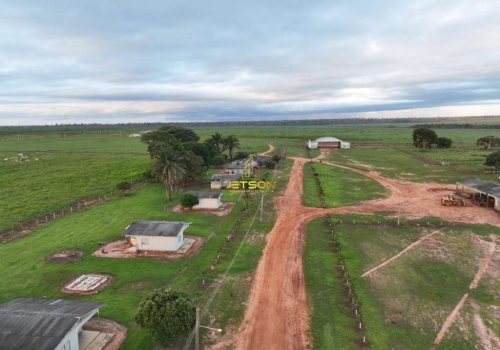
{"type": "Point", "coordinates": [328, 142]}
{"type": "Point", "coordinates": [156, 235]}
{"type": "Point", "coordinates": [219, 181]}
{"type": "Point", "coordinates": [208, 200]}
{"type": "Point", "coordinates": [48, 324]}
{"type": "Point", "coordinates": [134, 135]}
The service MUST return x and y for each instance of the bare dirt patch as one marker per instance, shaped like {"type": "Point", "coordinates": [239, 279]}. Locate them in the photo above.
{"type": "Point", "coordinates": [88, 284]}
{"type": "Point", "coordinates": [70, 255]}
{"type": "Point", "coordinates": [271, 149]}
{"type": "Point", "coordinates": [108, 326]}
{"type": "Point", "coordinates": [118, 249]}
{"type": "Point", "coordinates": [222, 211]}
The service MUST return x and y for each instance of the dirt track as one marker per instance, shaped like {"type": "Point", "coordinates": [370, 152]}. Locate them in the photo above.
{"type": "Point", "coordinates": [277, 316]}
{"type": "Point", "coordinates": [271, 149]}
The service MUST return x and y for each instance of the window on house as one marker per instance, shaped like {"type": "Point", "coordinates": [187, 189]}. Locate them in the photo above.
{"type": "Point", "coordinates": [67, 346]}
{"type": "Point", "coordinates": [144, 241]}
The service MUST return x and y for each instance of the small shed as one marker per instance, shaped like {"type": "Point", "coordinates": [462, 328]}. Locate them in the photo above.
{"type": "Point", "coordinates": [328, 143]}
{"type": "Point", "coordinates": [219, 181]}
{"type": "Point", "coordinates": [134, 135]}
{"type": "Point", "coordinates": [46, 324]}
{"type": "Point", "coordinates": [207, 199]}
{"type": "Point", "coordinates": [480, 190]}
{"type": "Point", "coordinates": [156, 235]}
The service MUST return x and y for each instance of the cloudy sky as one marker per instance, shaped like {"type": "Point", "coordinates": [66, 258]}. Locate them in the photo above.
{"type": "Point", "coordinates": [177, 60]}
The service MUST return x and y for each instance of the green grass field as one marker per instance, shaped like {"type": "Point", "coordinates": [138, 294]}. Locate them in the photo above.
{"type": "Point", "coordinates": [391, 163]}
{"type": "Point", "coordinates": [406, 302]}
{"type": "Point", "coordinates": [342, 187]}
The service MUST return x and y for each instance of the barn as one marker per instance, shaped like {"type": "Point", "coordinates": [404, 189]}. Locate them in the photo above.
{"type": "Point", "coordinates": [207, 199]}
{"type": "Point", "coordinates": [156, 235]}
{"type": "Point", "coordinates": [482, 192]}
{"type": "Point", "coordinates": [328, 143]}
{"type": "Point", "coordinates": [49, 324]}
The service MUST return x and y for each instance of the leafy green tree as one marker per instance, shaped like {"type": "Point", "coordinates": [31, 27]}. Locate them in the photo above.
{"type": "Point", "coordinates": [488, 141]}
{"type": "Point", "coordinates": [493, 159]}
{"type": "Point", "coordinates": [189, 200]}
{"type": "Point", "coordinates": [443, 142]}
{"type": "Point", "coordinates": [217, 141]}
{"type": "Point", "coordinates": [219, 160]}
{"type": "Point", "coordinates": [241, 155]}
{"type": "Point", "coordinates": [169, 166]}
{"type": "Point", "coordinates": [231, 143]}
{"type": "Point", "coordinates": [424, 137]}
{"type": "Point", "coordinates": [270, 163]}
{"type": "Point", "coordinates": [166, 133]}
{"type": "Point", "coordinates": [200, 150]}
{"type": "Point", "coordinates": [168, 314]}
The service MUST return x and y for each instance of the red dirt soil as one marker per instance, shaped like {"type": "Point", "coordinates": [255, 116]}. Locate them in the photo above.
{"type": "Point", "coordinates": [277, 315]}
{"type": "Point", "coordinates": [271, 149]}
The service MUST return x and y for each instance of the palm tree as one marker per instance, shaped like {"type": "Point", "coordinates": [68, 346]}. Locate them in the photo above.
{"type": "Point", "coordinates": [217, 140]}
{"type": "Point", "coordinates": [230, 143]}
{"type": "Point", "coordinates": [169, 168]}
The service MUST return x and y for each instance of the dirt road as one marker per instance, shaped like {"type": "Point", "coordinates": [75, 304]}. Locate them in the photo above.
{"type": "Point", "coordinates": [277, 316]}
{"type": "Point", "coordinates": [271, 149]}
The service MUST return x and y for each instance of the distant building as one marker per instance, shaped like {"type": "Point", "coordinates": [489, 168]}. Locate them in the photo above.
{"type": "Point", "coordinates": [237, 167]}
{"type": "Point", "coordinates": [328, 142]}
{"type": "Point", "coordinates": [219, 181]}
{"type": "Point", "coordinates": [48, 324]}
{"type": "Point", "coordinates": [156, 235]}
{"type": "Point", "coordinates": [207, 199]}
{"type": "Point", "coordinates": [134, 135]}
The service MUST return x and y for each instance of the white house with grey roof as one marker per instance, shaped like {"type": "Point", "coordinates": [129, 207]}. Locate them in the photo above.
{"type": "Point", "coordinates": [207, 199]}
{"type": "Point", "coordinates": [328, 142]}
{"type": "Point", "coordinates": [49, 324]}
{"type": "Point", "coordinates": [156, 235]}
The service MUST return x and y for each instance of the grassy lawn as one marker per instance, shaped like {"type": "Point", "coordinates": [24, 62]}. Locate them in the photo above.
{"type": "Point", "coordinates": [25, 273]}
{"type": "Point", "coordinates": [391, 163]}
{"type": "Point", "coordinates": [406, 302]}
{"type": "Point", "coordinates": [330, 324]}
{"type": "Point", "coordinates": [33, 189]}
{"type": "Point", "coordinates": [342, 187]}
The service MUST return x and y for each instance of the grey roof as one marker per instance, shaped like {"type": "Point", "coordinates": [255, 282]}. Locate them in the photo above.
{"type": "Point", "coordinates": [206, 194]}
{"type": "Point", "coordinates": [235, 166]}
{"type": "Point", "coordinates": [489, 188]}
{"type": "Point", "coordinates": [220, 177]}
{"type": "Point", "coordinates": [40, 324]}
{"type": "Point", "coordinates": [155, 228]}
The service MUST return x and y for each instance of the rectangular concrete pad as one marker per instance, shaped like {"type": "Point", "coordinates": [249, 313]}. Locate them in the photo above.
{"type": "Point", "coordinates": [188, 243]}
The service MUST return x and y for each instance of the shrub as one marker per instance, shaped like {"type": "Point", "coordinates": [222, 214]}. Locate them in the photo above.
{"type": "Point", "coordinates": [189, 200]}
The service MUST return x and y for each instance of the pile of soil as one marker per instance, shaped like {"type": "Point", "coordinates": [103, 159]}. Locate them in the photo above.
{"type": "Point", "coordinates": [71, 255]}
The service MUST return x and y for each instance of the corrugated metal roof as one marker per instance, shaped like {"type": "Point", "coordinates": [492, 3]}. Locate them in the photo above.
{"type": "Point", "coordinates": [489, 188]}
{"type": "Point", "coordinates": [206, 194]}
{"type": "Point", "coordinates": [155, 228]}
{"type": "Point", "coordinates": [40, 324]}
{"type": "Point", "coordinates": [220, 177]}
{"type": "Point", "coordinates": [31, 306]}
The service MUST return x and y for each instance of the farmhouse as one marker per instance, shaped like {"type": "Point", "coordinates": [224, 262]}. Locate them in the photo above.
{"type": "Point", "coordinates": [481, 192]}
{"type": "Point", "coordinates": [49, 324]}
{"type": "Point", "coordinates": [207, 199]}
{"type": "Point", "coordinates": [156, 235]}
{"type": "Point", "coordinates": [328, 142]}
{"type": "Point", "coordinates": [219, 181]}
{"type": "Point", "coordinates": [237, 167]}
{"type": "Point", "coordinates": [134, 135]}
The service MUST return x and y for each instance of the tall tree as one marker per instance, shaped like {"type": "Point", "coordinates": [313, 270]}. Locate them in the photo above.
{"type": "Point", "coordinates": [424, 138]}
{"type": "Point", "coordinates": [216, 140]}
{"type": "Point", "coordinates": [168, 314]}
{"type": "Point", "coordinates": [169, 166]}
{"type": "Point", "coordinates": [488, 141]}
{"type": "Point", "coordinates": [230, 143]}
{"type": "Point", "coordinates": [493, 159]}
{"type": "Point", "coordinates": [443, 142]}
{"type": "Point", "coordinates": [166, 133]}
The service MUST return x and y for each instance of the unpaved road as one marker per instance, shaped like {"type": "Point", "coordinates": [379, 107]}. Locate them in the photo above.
{"type": "Point", "coordinates": [271, 149]}
{"type": "Point", "coordinates": [277, 316]}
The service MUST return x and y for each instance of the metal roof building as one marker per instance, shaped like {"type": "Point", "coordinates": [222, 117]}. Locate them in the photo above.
{"type": "Point", "coordinates": [43, 324]}
{"type": "Point", "coordinates": [155, 228]}
{"type": "Point", "coordinates": [485, 188]}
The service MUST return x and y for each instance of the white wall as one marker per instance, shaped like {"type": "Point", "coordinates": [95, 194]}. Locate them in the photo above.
{"type": "Point", "coordinates": [72, 335]}
{"type": "Point", "coordinates": [208, 203]}
{"type": "Point", "coordinates": [170, 244]}
{"type": "Point", "coordinates": [345, 145]}
{"type": "Point", "coordinates": [497, 203]}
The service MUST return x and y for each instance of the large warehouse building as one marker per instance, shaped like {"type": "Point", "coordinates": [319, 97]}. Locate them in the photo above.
{"type": "Point", "coordinates": [328, 142]}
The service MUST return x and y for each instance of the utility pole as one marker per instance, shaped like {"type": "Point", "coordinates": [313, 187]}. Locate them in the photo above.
{"type": "Point", "coordinates": [197, 330]}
